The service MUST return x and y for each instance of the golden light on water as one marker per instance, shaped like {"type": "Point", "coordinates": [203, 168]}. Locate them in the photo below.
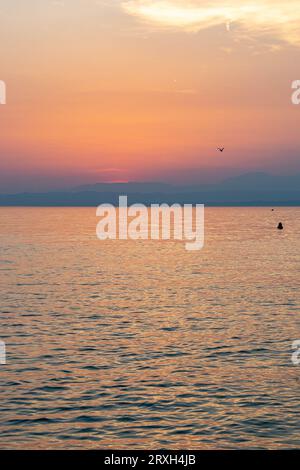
{"type": "Point", "coordinates": [141, 344]}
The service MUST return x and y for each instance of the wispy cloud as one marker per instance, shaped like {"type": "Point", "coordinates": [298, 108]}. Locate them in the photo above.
{"type": "Point", "coordinates": [278, 19]}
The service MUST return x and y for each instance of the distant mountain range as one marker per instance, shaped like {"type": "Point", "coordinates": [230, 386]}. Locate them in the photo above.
{"type": "Point", "coordinates": [250, 181]}
{"type": "Point", "coordinates": [248, 189]}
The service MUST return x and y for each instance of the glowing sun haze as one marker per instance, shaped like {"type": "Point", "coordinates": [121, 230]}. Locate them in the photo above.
{"type": "Point", "coordinates": [279, 18]}
{"type": "Point", "coordinates": [117, 90]}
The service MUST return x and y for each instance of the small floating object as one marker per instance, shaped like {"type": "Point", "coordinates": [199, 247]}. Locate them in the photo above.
{"type": "Point", "coordinates": [280, 226]}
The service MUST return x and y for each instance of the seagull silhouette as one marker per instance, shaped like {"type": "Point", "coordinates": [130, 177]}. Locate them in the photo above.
{"type": "Point", "coordinates": [221, 149]}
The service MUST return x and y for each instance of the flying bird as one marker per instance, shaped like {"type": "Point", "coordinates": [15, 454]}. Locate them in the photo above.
{"type": "Point", "coordinates": [221, 149]}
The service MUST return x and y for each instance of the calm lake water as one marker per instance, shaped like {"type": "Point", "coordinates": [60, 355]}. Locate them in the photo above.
{"type": "Point", "coordinates": [124, 344]}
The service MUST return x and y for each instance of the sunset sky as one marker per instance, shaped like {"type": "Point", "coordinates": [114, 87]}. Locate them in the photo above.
{"type": "Point", "coordinates": [113, 90]}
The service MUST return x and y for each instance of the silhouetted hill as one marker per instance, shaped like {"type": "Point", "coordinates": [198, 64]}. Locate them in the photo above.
{"type": "Point", "coordinates": [256, 189]}
{"type": "Point", "coordinates": [127, 188]}
{"type": "Point", "coordinates": [262, 182]}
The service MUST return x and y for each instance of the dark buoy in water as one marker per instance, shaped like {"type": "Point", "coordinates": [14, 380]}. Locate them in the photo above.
{"type": "Point", "coordinates": [280, 226]}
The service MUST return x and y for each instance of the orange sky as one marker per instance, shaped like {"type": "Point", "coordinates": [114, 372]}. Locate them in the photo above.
{"type": "Point", "coordinates": [124, 90]}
